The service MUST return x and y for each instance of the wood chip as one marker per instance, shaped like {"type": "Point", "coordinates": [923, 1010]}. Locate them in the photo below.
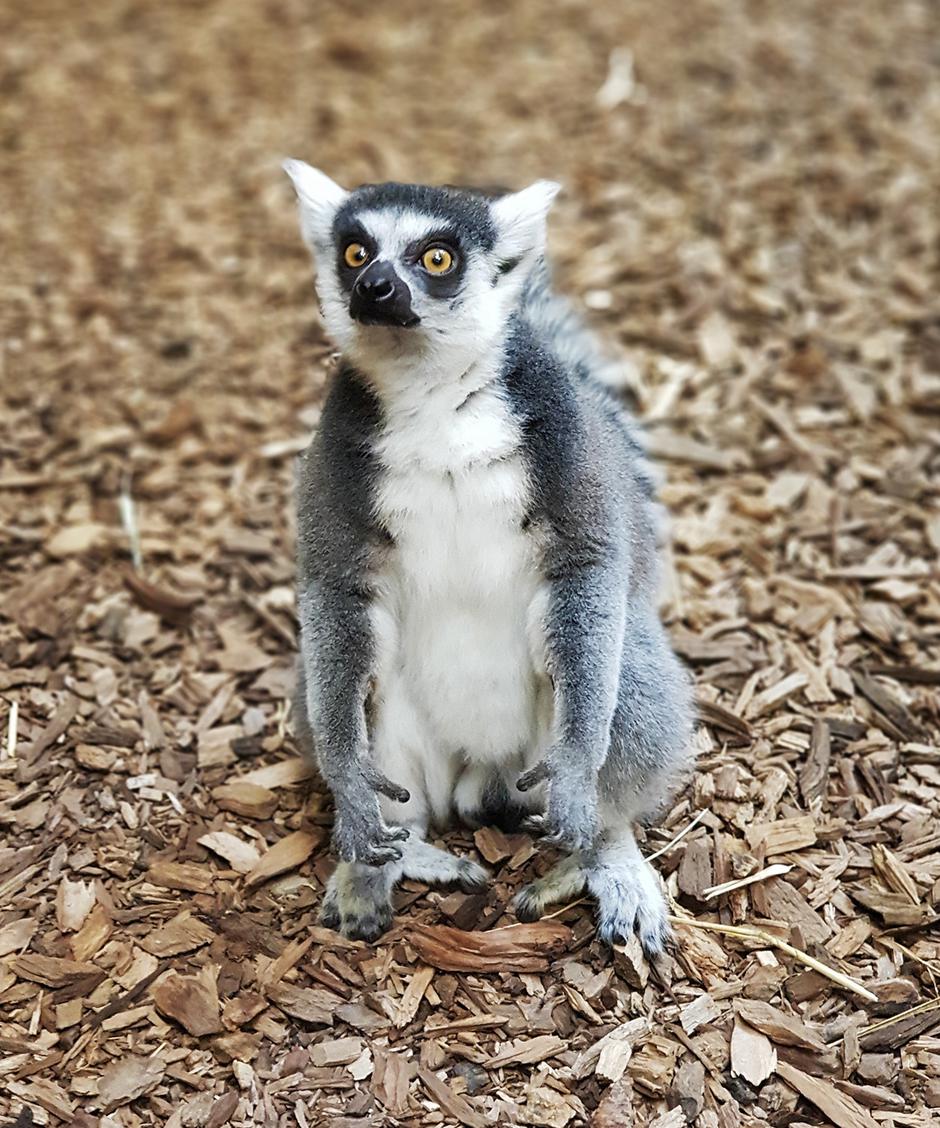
{"type": "Point", "coordinates": [185, 876]}
{"type": "Point", "coordinates": [753, 1056]}
{"type": "Point", "coordinates": [449, 1102]}
{"type": "Point", "coordinates": [518, 947]}
{"type": "Point", "coordinates": [285, 855]}
{"type": "Point", "coordinates": [414, 993]}
{"type": "Point", "coordinates": [784, 1029]}
{"type": "Point", "coordinates": [309, 1004]}
{"type": "Point", "coordinates": [240, 855]}
{"type": "Point", "coordinates": [192, 1000]}
{"type": "Point", "coordinates": [126, 1079]}
{"type": "Point", "coordinates": [839, 1107]}
{"type": "Point", "coordinates": [282, 774]}
{"type": "Point", "coordinates": [74, 901]}
{"type": "Point", "coordinates": [527, 1051]}
{"type": "Point", "coordinates": [183, 933]}
{"type": "Point", "coordinates": [249, 800]}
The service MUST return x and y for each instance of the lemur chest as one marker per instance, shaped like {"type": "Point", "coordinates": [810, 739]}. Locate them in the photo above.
{"type": "Point", "coordinates": [459, 609]}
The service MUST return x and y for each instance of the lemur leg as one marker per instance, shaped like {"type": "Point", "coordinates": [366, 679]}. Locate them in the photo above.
{"type": "Point", "coordinates": [647, 761]}
{"type": "Point", "coordinates": [358, 899]}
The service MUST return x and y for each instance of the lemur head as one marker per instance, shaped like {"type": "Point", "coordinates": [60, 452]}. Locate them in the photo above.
{"type": "Point", "coordinates": [406, 270]}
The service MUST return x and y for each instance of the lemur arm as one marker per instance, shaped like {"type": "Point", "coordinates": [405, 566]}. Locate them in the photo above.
{"type": "Point", "coordinates": [584, 638]}
{"type": "Point", "coordinates": [586, 564]}
{"type": "Point", "coordinates": [336, 652]}
{"type": "Point", "coordinates": [335, 539]}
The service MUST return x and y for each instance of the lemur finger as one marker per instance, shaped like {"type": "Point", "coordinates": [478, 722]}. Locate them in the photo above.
{"type": "Point", "coordinates": [381, 783]}
{"type": "Point", "coordinates": [395, 834]}
{"type": "Point", "coordinates": [370, 848]}
{"type": "Point", "coordinates": [534, 824]}
{"type": "Point", "coordinates": [572, 840]}
{"type": "Point", "coordinates": [533, 776]}
{"type": "Point", "coordinates": [378, 855]}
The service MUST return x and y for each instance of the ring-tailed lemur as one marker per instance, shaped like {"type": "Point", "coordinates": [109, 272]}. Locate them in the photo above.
{"type": "Point", "coordinates": [477, 563]}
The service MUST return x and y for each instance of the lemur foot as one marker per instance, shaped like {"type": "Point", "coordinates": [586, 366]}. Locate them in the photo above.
{"type": "Point", "coordinates": [357, 901]}
{"type": "Point", "coordinates": [423, 862]}
{"type": "Point", "coordinates": [627, 890]}
{"type": "Point", "coordinates": [365, 926]}
{"type": "Point", "coordinates": [630, 901]}
{"type": "Point", "coordinates": [563, 882]}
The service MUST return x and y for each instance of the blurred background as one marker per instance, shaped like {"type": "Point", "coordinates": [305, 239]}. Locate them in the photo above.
{"type": "Point", "coordinates": [751, 218]}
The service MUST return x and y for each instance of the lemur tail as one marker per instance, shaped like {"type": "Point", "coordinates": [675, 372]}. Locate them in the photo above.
{"type": "Point", "coordinates": [555, 317]}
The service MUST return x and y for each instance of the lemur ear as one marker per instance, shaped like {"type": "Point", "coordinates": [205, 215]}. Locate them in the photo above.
{"type": "Point", "coordinates": [319, 199]}
{"type": "Point", "coordinates": [520, 219]}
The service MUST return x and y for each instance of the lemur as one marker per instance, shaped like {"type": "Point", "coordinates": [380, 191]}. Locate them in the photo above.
{"type": "Point", "coordinates": [477, 563]}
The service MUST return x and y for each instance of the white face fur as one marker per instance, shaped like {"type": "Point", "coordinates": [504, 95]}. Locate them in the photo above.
{"type": "Point", "coordinates": [461, 313]}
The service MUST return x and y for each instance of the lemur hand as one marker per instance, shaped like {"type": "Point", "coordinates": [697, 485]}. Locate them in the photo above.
{"type": "Point", "coordinates": [571, 820]}
{"type": "Point", "coordinates": [359, 832]}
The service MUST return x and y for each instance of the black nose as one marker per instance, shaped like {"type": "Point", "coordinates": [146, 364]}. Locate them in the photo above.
{"type": "Point", "coordinates": [380, 297]}
{"type": "Point", "coordinates": [378, 287]}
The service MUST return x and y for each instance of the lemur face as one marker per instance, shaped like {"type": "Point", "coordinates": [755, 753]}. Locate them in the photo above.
{"type": "Point", "coordinates": [407, 268]}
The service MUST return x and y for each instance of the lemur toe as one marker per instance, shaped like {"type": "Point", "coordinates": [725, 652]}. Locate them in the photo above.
{"type": "Point", "coordinates": [370, 925]}
{"type": "Point", "coordinates": [652, 938]}
{"type": "Point", "coordinates": [619, 922]}
{"type": "Point", "coordinates": [528, 905]}
{"type": "Point", "coordinates": [655, 937]}
{"type": "Point", "coordinates": [329, 912]}
{"type": "Point", "coordinates": [471, 877]}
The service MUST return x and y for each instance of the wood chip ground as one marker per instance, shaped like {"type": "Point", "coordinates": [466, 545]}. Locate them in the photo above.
{"type": "Point", "coordinates": [751, 218]}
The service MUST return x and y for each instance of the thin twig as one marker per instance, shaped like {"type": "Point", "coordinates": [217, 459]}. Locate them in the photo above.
{"type": "Point", "coordinates": [921, 1008]}
{"type": "Point", "coordinates": [564, 909]}
{"type": "Point", "coordinates": [778, 869]}
{"type": "Point", "coordinates": [129, 521]}
{"type": "Point", "coordinates": [678, 838]}
{"type": "Point", "coordinates": [9, 749]}
{"type": "Point", "coordinates": [745, 932]}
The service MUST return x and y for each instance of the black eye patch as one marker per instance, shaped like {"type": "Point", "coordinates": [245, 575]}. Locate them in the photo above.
{"type": "Point", "coordinates": [352, 233]}
{"type": "Point", "coordinates": [437, 285]}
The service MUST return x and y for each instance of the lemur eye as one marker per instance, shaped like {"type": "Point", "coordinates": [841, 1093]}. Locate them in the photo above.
{"type": "Point", "coordinates": [437, 260]}
{"type": "Point", "coordinates": [355, 255]}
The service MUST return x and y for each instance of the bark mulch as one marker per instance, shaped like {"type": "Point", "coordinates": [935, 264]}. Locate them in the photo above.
{"type": "Point", "coordinates": [751, 219]}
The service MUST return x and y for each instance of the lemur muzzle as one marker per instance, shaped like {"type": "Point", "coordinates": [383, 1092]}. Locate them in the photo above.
{"type": "Point", "coordinates": [380, 297]}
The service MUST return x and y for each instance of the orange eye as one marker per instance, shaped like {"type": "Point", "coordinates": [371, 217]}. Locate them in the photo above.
{"type": "Point", "coordinates": [355, 255]}
{"type": "Point", "coordinates": [437, 260]}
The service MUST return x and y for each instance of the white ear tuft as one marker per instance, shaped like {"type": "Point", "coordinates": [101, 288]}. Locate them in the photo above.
{"type": "Point", "coordinates": [521, 218]}
{"type": "Point", "coordinates": [319, 198]}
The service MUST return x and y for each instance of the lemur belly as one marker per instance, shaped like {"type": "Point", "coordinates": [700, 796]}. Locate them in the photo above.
{"type": "Point", "coordinates": [460, 680]}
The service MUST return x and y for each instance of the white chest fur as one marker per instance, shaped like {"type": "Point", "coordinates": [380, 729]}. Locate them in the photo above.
{"type": "Point", "coordinates": [459, 614]}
